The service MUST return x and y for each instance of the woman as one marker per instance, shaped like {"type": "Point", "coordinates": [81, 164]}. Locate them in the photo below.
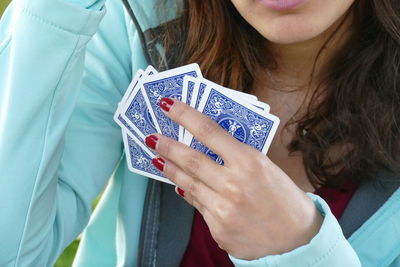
{"type": "Point", "coordinates": [328, 70]}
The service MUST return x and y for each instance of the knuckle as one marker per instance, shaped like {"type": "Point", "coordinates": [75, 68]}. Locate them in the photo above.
{"type": "Point", "coordinates": [255, 162]}
{"type": "Point", "coordinates": [260, 161]}
{"type": "Point", "coordinates": [224, 213]}
{"type": "Point", "coordinates": [200, 207]}
{"type": "Point", "coordinates": [165, 147]}
{"type": "Point", "coordinates": [234, 192]}
{"type": "Point", "coordinates": [190, 198]}
{"type": "Point", "coordinates": [237, 196]}
{"type": "Point", "coordinates": [220, 213]}
{"type": "Point", "coordinates": [171, 173]}
{"type": "Point", "coordinates": [193, 188]}
{"type": "Point", "coordinates": [207, 128]}
{"type": "Point", "coordinates": [178, 110]}
{"type": "Point", "coordinates": [192, 162]}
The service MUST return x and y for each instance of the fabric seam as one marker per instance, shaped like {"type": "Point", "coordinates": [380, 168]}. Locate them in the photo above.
{"type": "Point", "coordinates": [74, 51]}
{"type": "Point", "coordinates": [52, 24]}
{"type": "Point", "coordinates": [5, 43]}
{"type": "Point", "coordinates": [323, 257]}
{"type": "Point", "coordinates": [393, 257]}
{"type": "Point", "coordinates": [7, 37]}
{"type": "Point", "coordinates": [373, 220]}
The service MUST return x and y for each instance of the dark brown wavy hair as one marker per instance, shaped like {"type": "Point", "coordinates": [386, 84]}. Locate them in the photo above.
{"type": "Point", "coordinates": [361, 106]}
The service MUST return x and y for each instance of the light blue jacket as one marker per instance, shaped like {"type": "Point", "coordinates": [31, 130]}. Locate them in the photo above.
{"type": "Point", "coordinates": [59, 146]}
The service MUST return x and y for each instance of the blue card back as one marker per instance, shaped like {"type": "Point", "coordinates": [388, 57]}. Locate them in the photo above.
{"type": "Point", "coordinates": [246, 123]}
{"type": "Point", "coordinates": [138, 114]}
{"type": "Point", "coordinates": [167, 84]}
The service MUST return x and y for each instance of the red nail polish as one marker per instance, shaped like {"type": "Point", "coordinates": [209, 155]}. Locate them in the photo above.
{"type": "Point", "coordinates": [159, 163]}
{"type": "Point", "coordinates": [166, 103]}
{"type": "Point", "coordinates": [181, 192]}
{"type": "Point", "coordinates": [151, 141]}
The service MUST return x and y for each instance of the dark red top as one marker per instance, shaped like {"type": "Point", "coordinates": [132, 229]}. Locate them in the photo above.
{"type": "Point", "coordinates": [203, 251]}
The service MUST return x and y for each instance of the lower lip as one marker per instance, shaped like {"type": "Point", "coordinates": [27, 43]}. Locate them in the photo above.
{"type": "Point", "coordinates": [282, 4]}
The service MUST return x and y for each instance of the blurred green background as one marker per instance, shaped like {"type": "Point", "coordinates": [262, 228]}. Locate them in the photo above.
{"type": "Point", "coordinates": [3, 4]}
{"type": "Point", "coordinates": [67, 257]}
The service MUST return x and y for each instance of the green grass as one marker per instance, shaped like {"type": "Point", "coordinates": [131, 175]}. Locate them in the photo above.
{"type": "Point", "coordinates": [3, 5]}
{"type": "Point", "coordinates": [66, 259]}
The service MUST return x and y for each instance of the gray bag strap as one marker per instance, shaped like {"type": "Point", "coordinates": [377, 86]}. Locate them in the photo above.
{"type": "Point", "coordinates": [368, 198]}
{"type": "Point", "coordinates": [166, 227]}
{"type": "Point", "coordinates": [150, 223]}
{"type": "Point", "coordinates": [176, 219]}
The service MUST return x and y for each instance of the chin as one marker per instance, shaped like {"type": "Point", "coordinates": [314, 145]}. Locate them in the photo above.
{"type": "Point", "coordinates": [289, 33]}
{"type": "Point", "coordinates": [314, 18]}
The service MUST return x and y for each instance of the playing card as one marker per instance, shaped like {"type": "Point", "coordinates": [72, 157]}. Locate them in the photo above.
{"type": "Point", "coordinates": [189, 86]}
{"type": "Point", "coordinates": [139, 159]}
{"type": "Point", "coordinates": [261, 105]}
{"type": "Point", "coordinates": [131, 86]}
{"type": "Point", "coordinates": [239, 94]}
{"type": "Point", "coordinates": [150, 70]}
{"type": "Point", "coordinates": [166, 84]}
{"type": "Point", "coordinates": [190, 89]}
{"type": "Point", "coordinates": [140, 115]}
{"type": "Point", "coordinates": [118, 118]}
{"type": "Point", "coordinates": [205, 85]}
{"type": "Point", "coordinates": [241, 119]}
{"type": "Point", "coordinates": [117, 115]}
{"type": "Point", "coordinates": [197, 94]}
{"type": "Point", "coordinates": [137, 115]}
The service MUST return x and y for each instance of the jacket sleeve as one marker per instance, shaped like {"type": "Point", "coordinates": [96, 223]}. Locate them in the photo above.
{"type": "Point", "coordinates": [396, 262]}
{"type": "Point", "coordinates": [58, 143]}
{"type": "Point", "coordinates": [328, 248]}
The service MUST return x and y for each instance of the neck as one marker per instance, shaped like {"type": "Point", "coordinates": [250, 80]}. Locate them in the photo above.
{"type": "Point", "coordinates": [297, 64]}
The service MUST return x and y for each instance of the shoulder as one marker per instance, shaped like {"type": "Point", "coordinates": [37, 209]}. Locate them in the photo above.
{"type": "Point", "coordinates": [148, 13]}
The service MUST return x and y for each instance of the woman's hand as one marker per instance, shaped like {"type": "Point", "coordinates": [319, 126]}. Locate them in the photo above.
{"type": "Point", "coordinates": [253, 209]}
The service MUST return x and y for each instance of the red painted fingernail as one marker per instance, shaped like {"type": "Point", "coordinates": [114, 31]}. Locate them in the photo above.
{"type": "Point", "coordinates": [166, 103]}
{"type": "Point", "coordinates": [151, 141]}
{"type": "Point", "coordinates": [181, 192]}
{"type": "Point", "coordinates": [159, 163]}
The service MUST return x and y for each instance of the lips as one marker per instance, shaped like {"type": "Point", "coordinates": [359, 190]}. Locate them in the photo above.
{"type": "Point", "coordinates": [281, 5]}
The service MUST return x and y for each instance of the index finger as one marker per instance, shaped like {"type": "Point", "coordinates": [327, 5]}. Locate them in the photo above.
{"type": "Point", "coordinates": [207, 131]}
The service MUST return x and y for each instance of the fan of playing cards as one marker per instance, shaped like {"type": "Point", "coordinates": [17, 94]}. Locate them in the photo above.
{"type": "Point", "coordinates": [140, 115]}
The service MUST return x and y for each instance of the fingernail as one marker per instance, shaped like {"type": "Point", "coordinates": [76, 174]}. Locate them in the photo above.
{"type": "Point", "coordinates": [159, 163]}
{"type": "Point", "coordinates": [166, 103]}
{"type": "Point", "coordinates": [151, 141]}
{"type": "Point", "coordinates": [180, 191]}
